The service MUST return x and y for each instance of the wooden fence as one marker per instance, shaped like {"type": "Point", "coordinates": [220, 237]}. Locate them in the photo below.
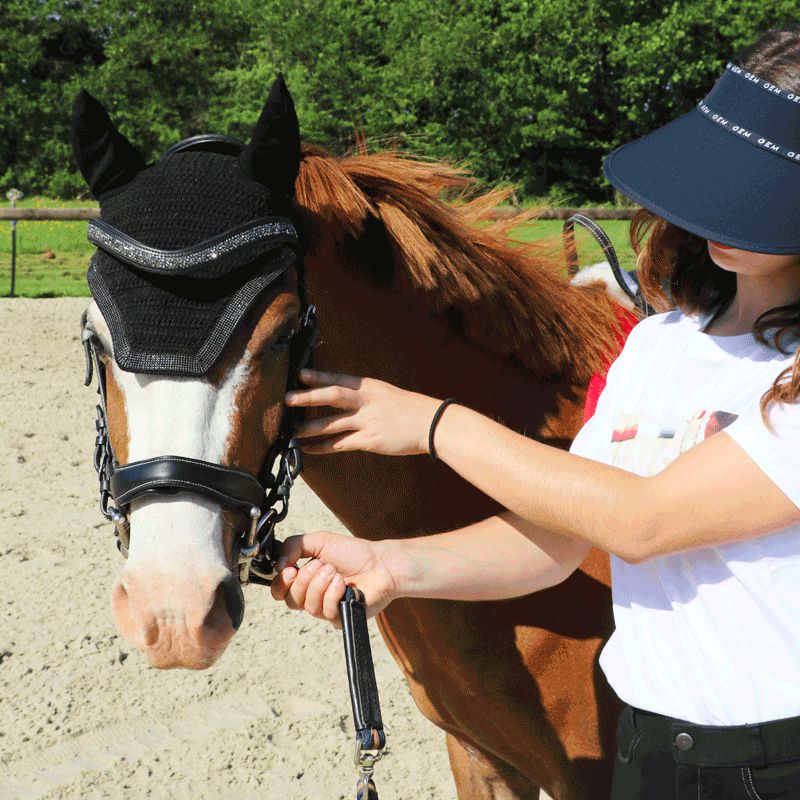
{"type": "Point", "coordinates": [16, 214]}
{"type": "Point", "coordinates": [72, 214]}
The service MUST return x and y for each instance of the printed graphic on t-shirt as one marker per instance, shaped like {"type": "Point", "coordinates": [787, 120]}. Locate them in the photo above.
{"type": "Point", "coordinates": [645, 444]}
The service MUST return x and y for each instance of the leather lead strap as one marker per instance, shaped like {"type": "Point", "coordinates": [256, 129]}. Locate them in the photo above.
{"type": "Point", "coordinates": [363, 689]}
{"type": "Point", "coordinates": [361, 671]}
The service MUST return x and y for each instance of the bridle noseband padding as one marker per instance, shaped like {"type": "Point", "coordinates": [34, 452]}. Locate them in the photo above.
{"type": "Point", "coordinates": [227, 486]}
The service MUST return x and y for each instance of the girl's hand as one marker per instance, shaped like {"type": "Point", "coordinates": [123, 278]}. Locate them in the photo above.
{"type": "Point", "coordinates": [376, 416]}
{"type": "Point", "coordinates": [336, 560]}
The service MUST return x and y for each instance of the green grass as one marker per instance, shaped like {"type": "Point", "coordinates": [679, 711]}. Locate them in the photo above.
{"type": "Point", "coordinates": [52, 256]}
{"type": "Point", "coordinates": [589, 251]}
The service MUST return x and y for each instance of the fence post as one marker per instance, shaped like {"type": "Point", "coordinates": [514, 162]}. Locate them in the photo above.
{"type": "Point", "coordinates": [13, 195]}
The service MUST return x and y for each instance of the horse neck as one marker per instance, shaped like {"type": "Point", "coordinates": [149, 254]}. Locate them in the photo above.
{"type": "Point", "coordinates": [368, 330]}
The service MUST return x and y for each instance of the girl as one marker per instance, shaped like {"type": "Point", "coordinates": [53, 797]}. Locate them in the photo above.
{"type": "Point", "coordinates": [688, 474]}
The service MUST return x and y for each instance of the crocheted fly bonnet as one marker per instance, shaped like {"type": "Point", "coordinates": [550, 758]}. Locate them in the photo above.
{"type": "Point", "coordinates": [186, 245]}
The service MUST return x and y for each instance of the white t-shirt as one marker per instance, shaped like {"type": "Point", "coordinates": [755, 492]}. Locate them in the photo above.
{"type": "Point", "coordinates": [710, 635]}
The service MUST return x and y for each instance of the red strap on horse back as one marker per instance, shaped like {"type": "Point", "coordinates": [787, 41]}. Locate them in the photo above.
{"type": "Point", "coordinates": [626, 320]}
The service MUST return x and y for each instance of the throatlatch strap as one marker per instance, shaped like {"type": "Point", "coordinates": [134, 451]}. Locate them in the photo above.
{"type": "Point", "coordinates": [361, 671]}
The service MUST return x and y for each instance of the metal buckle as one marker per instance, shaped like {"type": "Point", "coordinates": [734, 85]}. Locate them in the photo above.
{"type": "Point", "coordinates": [257, 557]}
{"type": "Point", "coordinates": [251, 545]}
{"type": "Point", "coordinates": [365, 764]}
{"type": "Point", "coordinates": [122, 530]}
{"type": "Point", "coordinates": [366, 759]}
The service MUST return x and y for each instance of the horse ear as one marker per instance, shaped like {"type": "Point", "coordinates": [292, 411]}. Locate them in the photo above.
{"type": "Point", "coordinates": [273, 155]}
{"type": "Point", "coordinates": [105, 157]}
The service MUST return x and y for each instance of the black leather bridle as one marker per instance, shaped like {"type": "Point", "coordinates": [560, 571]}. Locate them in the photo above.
{"type": "Point", "coordinates": [263, 497]}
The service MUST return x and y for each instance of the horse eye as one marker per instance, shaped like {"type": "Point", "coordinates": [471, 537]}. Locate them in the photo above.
{"type": "Point", "coordinates": [284, 339]}
{"type": "Point", "coordinates": [98, 345]}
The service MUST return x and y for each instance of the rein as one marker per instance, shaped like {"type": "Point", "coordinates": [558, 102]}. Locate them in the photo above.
{"type": "Point", "coordinates": [628, 281]}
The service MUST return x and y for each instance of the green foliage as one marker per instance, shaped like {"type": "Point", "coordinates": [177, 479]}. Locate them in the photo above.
{"type": "Point", "coordinates": [153, 65]}
{"type": "Point", "coordinates": [530, 91]}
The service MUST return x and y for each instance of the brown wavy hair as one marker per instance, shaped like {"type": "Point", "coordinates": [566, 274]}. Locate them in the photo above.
{"type": "Point", "coordinates": [674, 265]}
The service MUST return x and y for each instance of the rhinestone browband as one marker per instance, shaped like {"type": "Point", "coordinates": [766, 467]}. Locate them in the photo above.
{"type": "Point", "coordinates": [268, 231]}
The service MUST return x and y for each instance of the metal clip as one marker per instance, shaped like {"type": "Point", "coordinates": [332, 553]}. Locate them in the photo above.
{"type": "Point", "coordinates": [123, 530]}
{"type": "Point", "coordinates": [365, 764]}
{"type": "Point", "coordinates": [251, 546]}
{"type": "Point", "coordinates": [258, 559]}
{"type": "Point", "coordinates": [366, 760]}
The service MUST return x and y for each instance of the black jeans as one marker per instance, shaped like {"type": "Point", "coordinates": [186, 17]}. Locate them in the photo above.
{"type": "Point", "coordinates": [661, 758]}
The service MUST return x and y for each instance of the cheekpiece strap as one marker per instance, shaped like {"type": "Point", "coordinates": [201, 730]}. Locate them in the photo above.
{"type": "Point", "coordinates": [251, 240]}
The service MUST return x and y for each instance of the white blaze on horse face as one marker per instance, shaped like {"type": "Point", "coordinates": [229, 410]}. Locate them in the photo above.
{"type": "Point", "coordinates": [180, 416]}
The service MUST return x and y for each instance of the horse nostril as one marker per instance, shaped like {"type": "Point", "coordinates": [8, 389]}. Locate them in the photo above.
{"type": "Point", "coordinates": [229, 593]}
{"type": "Point", "coordinates": [133, 623]}
{"type": "Point", "coordinates": [224, 617]}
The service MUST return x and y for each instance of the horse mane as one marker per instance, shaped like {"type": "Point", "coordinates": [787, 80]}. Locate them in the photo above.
{"type": "Point", "coordinates": [508, 297]}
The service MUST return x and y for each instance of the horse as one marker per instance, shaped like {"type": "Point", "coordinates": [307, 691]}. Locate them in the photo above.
{"type": "Point", "coordinates": [432, 296]}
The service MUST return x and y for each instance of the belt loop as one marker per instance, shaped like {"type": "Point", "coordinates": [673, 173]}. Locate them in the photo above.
{"type": "Point", "coordinates": [757, 755]}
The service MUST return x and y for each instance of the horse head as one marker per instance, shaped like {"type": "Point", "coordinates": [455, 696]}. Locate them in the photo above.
{"type": "Point", "coordinates": [198, 296]}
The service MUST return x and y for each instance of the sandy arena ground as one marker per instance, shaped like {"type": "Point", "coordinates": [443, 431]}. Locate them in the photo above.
{"type": "Point", "coordinates": [81, 713]}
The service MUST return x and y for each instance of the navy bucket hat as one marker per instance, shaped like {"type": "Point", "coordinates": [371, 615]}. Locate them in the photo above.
{"type": "Point", "coordinates": [728, 170]}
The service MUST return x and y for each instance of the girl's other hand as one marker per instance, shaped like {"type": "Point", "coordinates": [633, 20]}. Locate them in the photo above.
{"type": "Point", "coordinates": [335, 561]}
{"type": "Point", "coordinates": [376, 416]}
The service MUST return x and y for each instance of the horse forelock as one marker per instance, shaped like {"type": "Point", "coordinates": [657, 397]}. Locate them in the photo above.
{"type": "Point", "coordinates": [511, 298]}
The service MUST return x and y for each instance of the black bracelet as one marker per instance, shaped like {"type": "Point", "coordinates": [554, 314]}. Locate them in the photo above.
{"type": "Point", "coordinates": [434, 422]}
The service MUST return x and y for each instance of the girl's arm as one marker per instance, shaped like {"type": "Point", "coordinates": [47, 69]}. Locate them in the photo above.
{"type": "Point", "coordinates": [712, 494]}
{"type": "Point", "coordinates": [493, 559]}
{"type": "Point", "coordinates": [497, 558]}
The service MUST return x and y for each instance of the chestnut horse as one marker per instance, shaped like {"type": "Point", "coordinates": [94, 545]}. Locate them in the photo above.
{"type": "Point", "coordinates": [420, 294]}
{"type": "Point", "coordinates": [432, 297]}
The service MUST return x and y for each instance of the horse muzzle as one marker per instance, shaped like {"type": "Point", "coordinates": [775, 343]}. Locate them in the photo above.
{"type": "Point", "coordinates": [177, 621]}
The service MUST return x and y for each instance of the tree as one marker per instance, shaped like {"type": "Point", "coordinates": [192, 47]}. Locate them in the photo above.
{"type": "Point", "coordinates": [535, 92]}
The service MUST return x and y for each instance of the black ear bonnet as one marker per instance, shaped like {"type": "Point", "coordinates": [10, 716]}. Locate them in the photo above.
{"type": "Point", "coordinates": [188, 244]}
